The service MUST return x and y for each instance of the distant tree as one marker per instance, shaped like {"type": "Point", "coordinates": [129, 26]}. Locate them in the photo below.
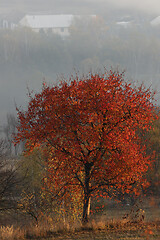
{"type": "Point", "coordinates": [8, 179]}
{"type": "Point", "coordinates": [154, 176]}
{"type": "Point", "coordinates": [32, 199]}
{"type": "Point", "coordinates": [89, 128]}
{"type": "Point", "coordinates": [9, 130]}
{"type": "Point", "coordinates": [81, 43]}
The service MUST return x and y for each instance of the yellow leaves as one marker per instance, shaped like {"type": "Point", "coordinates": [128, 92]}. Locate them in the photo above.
{"type": "Point", "coordinates": [26, 201]}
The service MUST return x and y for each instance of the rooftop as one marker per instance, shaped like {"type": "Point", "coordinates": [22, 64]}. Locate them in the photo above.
{"type": "Point", "coordinates": [47, 21]}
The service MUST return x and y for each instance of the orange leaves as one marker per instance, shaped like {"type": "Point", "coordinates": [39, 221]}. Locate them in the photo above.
{"type": "Point", "coordinates": [93, 121]}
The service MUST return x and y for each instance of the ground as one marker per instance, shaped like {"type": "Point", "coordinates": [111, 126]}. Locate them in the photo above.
{"type": "Point", "coordinates": [123, 222]}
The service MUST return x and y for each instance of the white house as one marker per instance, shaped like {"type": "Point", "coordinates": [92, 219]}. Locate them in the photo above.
{"type": "Point", "coordinates": [58, 24]}
{"type": "Point", "coordinates": [5, 24]}
{"type": "Point", "coordinates": [125, 21]}
{"type": "Point", "coordinates": [124, 24]}
{"type": "Point", "coordinates": [155, 22]}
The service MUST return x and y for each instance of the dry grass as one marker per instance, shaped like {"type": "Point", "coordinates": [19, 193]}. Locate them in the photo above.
{"type": "Point", "coordinates": [138, 224]}
{"type": "Point", "coordinates": [10, 233]}
{"type": "Point", "coordinates": [94, 231]}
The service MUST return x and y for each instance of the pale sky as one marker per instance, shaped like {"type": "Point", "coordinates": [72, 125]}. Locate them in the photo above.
{"type": "Point", "coordinates": [150, 6]}
{"type": "Point", "coordinates": [146, 5]}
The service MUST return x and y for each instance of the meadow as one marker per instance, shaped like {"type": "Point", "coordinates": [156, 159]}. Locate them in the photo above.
{"type": "Point", "coordinates": [113, 223]}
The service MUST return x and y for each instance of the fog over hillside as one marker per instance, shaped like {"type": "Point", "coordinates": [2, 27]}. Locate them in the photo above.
{"type": "Point", "coordinates": [27, 58]}
{"type": "Point", "coordinates": [149, 6]}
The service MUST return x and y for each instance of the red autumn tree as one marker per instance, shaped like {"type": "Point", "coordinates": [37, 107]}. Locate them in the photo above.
{"type": "Point", "coordinates": [89, 127]}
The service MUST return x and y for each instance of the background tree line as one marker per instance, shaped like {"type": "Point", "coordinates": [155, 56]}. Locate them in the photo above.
{"type": "Point", "coordinates": [26, 57]}
{"type": "Point", "coordinates": [91, 44]}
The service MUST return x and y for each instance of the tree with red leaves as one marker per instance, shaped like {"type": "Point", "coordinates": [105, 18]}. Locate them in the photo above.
{"type": "Point", "coordinates": [90, 127]}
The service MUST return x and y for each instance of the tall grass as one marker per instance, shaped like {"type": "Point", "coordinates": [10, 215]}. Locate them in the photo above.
{"type": "Point", "coordinates": [10, 233]}
{"type": "Point", "coordinates": [116, 229]}
{"type": "Point", "coordinates": [137, 223]}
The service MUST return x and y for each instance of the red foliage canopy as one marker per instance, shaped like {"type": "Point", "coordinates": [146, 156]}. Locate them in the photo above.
{"type": "Point", "coordinates": [90, 129]}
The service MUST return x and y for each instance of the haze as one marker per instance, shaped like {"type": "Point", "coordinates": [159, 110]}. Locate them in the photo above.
{"type": "Point", "coordinates": [27, 58]}
{"type": "Point", "coordinates": [150, 6]}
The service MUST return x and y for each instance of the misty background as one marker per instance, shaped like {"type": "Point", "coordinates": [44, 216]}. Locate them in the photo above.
{"type": "Point", "coordinates": [28, 58]}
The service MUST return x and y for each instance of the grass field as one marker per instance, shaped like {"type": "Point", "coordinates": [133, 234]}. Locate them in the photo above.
{"type": "Point", "coordinates": [100, 231]}
{"type": "Point", "coordinates": [97, 230]}
{"type": "Point", "coordinates": [109, 224]}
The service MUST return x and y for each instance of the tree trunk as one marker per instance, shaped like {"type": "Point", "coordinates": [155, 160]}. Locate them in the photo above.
{"type": "Point", "coordinates": [86, 202]}
{"type": "Point", "coordinates": [86, 209]}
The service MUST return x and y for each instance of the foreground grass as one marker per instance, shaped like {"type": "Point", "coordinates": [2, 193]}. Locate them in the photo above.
{"type": "Point", "coordinates": [94, 231]}
{"type": "Point", "coordinates": [112, 223]}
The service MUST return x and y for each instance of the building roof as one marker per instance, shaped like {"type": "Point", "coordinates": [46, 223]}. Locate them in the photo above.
{"type": "Point", "coordinates": [46, 21]}
{"type": "Point", "coordinates": [124, 24]}
{"type": "Point", "coordinates": [156, 21]}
